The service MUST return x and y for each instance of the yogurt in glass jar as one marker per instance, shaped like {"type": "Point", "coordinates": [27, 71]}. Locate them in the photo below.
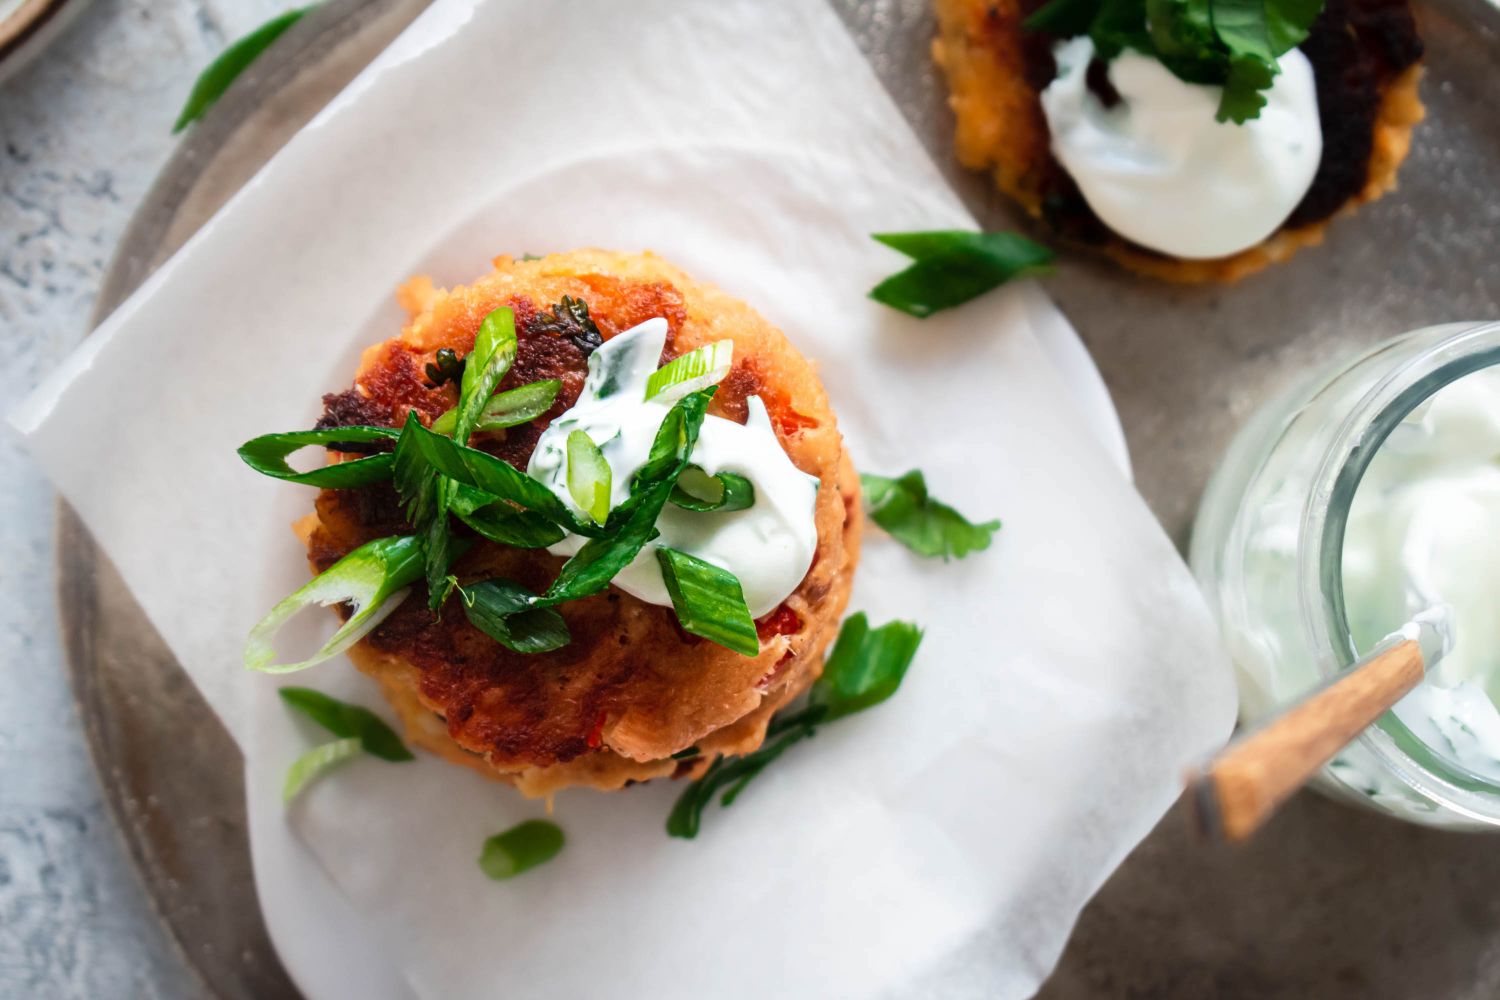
{"type": "Point", "coordinates": [1365, 495]}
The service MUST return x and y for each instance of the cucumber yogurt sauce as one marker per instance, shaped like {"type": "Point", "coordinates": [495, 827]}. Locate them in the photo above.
{"type": "Point", "coordinates": [1424, 533]}
{"type": "Point", "coordinates": [769, 546]}
{"type": "Point", "coordinates": [1363, 497]}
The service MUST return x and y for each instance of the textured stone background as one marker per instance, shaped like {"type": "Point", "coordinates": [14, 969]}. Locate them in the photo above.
{"type": "Point", "coordinates": [83, 130]}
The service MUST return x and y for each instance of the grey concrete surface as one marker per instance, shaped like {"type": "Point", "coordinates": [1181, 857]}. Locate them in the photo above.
{"type": "Point", "coordinates": [83, 130]}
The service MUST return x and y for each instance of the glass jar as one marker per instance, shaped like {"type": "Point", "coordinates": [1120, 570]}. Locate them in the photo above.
{"type": "Point", "coordinates": [1267, 550]}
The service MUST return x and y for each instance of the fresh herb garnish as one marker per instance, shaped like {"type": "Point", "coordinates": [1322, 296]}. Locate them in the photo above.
{"type": "Point", "coordinates": [1234, 44]}
{"type": "Point", "coordinates": [446, 366]}
{"type": "Point", "coordinates": [614, 546]}
{"type": "Point", "coordinates": [953, 266]}
{"type": "Point", "coordinates": [424, 498]}
{"type": "Point", "coordinates": [503, 522]}
{"type": "Point", "coordinates": [570, 318]}
{"type": "Point", "coordinates": [315, 763]}
{"type": "Point", "coordinates": [426, 494]}
{"type": "Point", "coordinates": [214, 80]}
{"type": "Point", "coordinates": [520, 848]}
{"type": "Point", "coordinates": [865, 667]}
{"type": "Point", "coordinates": [348, 721]}
{"type": "Point", "coordinates": [510, 408]}
{"type": "Point", "coordinates": [486, 473]}
{"type": "Point", "coordinates": [356, 730]}
{"type": "Point", "coordinates": [372, 579]}
{"type": "Point", "coordinates": [698, 491]}
{"type": "Point", "coordinates": [633, 522]}
{"type": "Point", "coordinates": [928, 527]}
{"type": "Point", "coordinates": [512, 616]}
{"type": "Point", "coordinates": [708, 601]}
{"type": "Point", "coordinates": [589, 477]}
{"type": "Point", "coordinates": [692, 371]}
{"type": "Point", "coordinates": [268, 455]}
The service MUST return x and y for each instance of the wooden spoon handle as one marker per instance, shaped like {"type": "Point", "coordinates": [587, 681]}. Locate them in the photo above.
{"type": "Point", "coordinates": [1241, 787]}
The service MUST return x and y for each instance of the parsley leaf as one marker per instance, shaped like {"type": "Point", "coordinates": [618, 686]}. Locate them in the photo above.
{"type": "Point", "coordinates": [865, 667]}
{"type": "Point", "coordinates": [508, 613]}
{"type": "Point", "coordinates": [1229, 43]}
{"type": "Point", "coordinates": [928, 527]}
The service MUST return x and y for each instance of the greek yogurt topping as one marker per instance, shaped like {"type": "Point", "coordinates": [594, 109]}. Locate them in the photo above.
{"type": "Point", "coordinates": [769, 546]}
{"type": "Point", "coordinates": [1424, 533]}
{"type": "Point", "coordinates": [1159, 170]}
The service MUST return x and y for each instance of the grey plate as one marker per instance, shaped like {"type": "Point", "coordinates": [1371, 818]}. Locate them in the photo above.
{"type": "Point", "coordinates": [1327, 902]}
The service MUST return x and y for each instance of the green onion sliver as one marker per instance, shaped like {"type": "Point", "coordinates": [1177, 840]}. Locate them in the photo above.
{"type": "Point", "coordinates": [589, 477]}
{"type": "Point", "coordinates": [317, 762]}
{"type": "Point", "coordinates": [373, 578]}
{"type": "Point", "coordinates": [708, 601]}
{"type": "Point", "coordinates": [693, 371]}
{"type": "Point", "coordinates": [348, 721]}
{"type": "Point", "coordinates": [510, 408]}
{"type": "Point", "coordinates": [520, 848]}
{"type": "Point", "coordinates": [268, 455]}
{"type": "Point", "coordinates": [698, 491]}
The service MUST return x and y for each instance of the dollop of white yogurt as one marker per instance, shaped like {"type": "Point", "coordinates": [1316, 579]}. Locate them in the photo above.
{"type": "Point", "coordinates": [769, 546]}
{"type": "Point", "coordinates": [1159, 170]}
{"type": "Point", "coordinates": [1424, 533]}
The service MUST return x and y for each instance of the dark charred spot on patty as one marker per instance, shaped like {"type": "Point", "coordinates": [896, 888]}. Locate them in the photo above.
{"type": "Point", "coordinates": [400, 382]}
{"type": "Point", "coordinates": [1356, 48]}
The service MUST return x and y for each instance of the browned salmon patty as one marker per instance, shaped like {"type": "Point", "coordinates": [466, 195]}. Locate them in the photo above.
{"type": "Point", "coordinates": [1365, 56]}
{"type": "Point", "coordinates": [632, 688]}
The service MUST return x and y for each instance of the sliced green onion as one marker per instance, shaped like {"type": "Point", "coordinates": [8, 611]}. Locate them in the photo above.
{"type": "Point", "coordinates": [345, 721]}
{"type": "Point", "coordinates": [928, 527]}
{"type": "Point", "coordinates": [317, 762]}
{"type": "Point", "coordinates": [485, 366]}
{"type": "Point", "coordinates": [698, 491]}
{"type": "Point", "coordinates": [633, 522]}
{"type": "Point", "coordinates": [510, 408]}
{"type": "Point", "coordinates": [865, 668]}
{"type": "Point", "coordinates": [424, 496]}
{"type": "Point", "coordinates": [373, 578]}
{"type": "Point", "coordinates": [693, 371]}
{"type": "Point", "coordinates": [589, 476]}
{"type": "Point", "coordinates": [268, 455]}
{"type": "Point", "coordinates": [489, 474]}
{"type": "Point", "coordinates": [214, 80]}
{"type": "Point", "coordinates": [520, 848]}
{"type": "Point", "coordinates": [954, 266]}
{"type": "Point", "coordinates": [509, 614]}
{"type": "Point", "coordinates": [708, 601]}
{"type": "Point", "coordinates": [501, 521]}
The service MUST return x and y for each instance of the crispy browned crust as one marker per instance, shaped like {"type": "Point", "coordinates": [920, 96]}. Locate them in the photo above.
{"type": "Point", "coordinates": [631, 688]}
{"type": "Point", "coordinates": [1000, 128]}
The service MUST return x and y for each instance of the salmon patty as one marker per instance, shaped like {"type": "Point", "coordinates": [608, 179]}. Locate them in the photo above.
{"type": "Point", "coordinates": [632, 689]}
{"type": "Point", "coordinates": [1365, 56]}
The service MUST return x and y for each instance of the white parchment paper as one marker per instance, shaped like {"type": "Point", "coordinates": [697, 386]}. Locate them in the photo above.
{"type": "Point", "coordinates": [942, 844]}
